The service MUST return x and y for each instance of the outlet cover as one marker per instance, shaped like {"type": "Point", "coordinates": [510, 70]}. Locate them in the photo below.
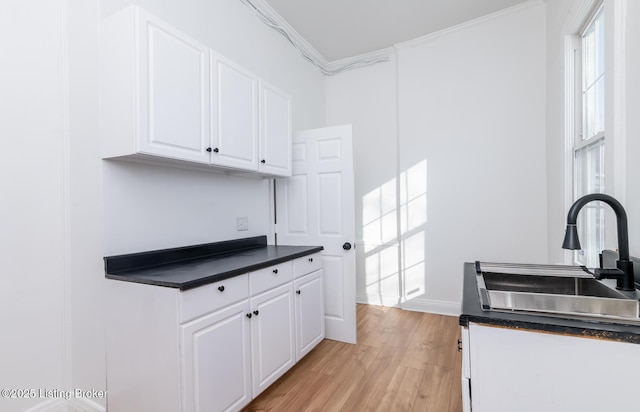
{"type": "Point", "coordinates": [243, 224]}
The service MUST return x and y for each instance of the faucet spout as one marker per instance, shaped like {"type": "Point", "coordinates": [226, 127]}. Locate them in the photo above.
{"type": "Point", "coordinates": [625, 278]}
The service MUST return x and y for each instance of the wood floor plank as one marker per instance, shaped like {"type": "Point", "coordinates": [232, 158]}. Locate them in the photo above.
{"type": "Point", "coordinates": [373, 386]}
{"type": "Point", "coordinates": [403, 361]}
{"type": "Point", "coordinates": [434, 390]}
{"type": "Point", "coordinates": [423, 343]}
{"type": "Point", "coordinates": [402, 390]}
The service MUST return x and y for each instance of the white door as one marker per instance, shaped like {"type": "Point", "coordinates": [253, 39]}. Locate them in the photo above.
{"type": "Point", "coordinates": [315, 206]}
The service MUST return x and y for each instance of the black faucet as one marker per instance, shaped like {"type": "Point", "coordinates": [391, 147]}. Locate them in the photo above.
{"type": "Point", "coordinates": [624, 272]}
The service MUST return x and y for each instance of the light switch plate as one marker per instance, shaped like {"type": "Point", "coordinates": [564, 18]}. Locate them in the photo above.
{"type": "Point", "coordinates": [243, 224]}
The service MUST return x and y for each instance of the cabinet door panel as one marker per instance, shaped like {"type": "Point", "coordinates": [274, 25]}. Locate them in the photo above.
{"type": "Point", "coordinates": [216, 361]}
{"type": "Point", "coordinates": [272, 334]}
{"type": "Point", "coordinates": [275, 131]}
{"type": "Point", "coordinates": [309, 313]}
{"type": "Point", "coordinates": [235, 115]}
{"type": "Point", "coordinates": [173, 85]}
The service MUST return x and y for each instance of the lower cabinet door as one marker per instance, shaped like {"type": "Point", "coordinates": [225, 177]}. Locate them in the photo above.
{"type": "Point", "coordinates": [272, 336]}
{"type": "Point", "coordinates": [216, 364]}
{"type": "Point", "coordinates": [309, 305]}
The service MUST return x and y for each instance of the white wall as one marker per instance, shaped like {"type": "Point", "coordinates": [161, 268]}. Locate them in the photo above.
{"type": "Point", "coordinates": [470, 182]}
{"type": "Point", "coordinates": [632, 126]}
{"type": "Point", "coordinates": [366, 98]}
{"type": "Point", "coordinates": [33, 237]}
{"type": "Point", "coordinates": [555, 135]}
{"type": "Point", "coordinates": [85, 348]}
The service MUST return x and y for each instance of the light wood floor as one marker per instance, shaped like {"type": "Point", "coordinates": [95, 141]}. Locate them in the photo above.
{"type": "Point", "coordinates": [403, 361]}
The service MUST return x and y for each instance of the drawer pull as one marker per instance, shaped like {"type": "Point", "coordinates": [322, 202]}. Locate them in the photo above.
{"type": "Point", "coordinates": [249, 315]}
{"type": "Point", "coordinates": [221, 288]}
{"type": "Point", "coordinates": [275, 271]}
{"type": "Point", "coordinates": [255, 312]}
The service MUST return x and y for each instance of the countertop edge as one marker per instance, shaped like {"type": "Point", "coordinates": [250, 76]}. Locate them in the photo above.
{"type": "Point", "coordinates": [127, 277]}
{"type": "Point", "coordinates": [472, 313]}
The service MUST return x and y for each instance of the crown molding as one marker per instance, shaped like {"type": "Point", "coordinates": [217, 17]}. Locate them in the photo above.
{"type": "Point", "coordinates": [271, 18]}
{"type": "Point", "coordinates": [420, 41]}
{"type": "Point", "coordinates": [361, 60]}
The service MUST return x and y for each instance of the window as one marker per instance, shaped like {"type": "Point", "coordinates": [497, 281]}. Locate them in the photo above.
{"type": "Point", "coordinates": [589, 136]}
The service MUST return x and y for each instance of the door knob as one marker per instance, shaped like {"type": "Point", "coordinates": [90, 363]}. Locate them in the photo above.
{"type": "Point", "coordinates": [346, 246]}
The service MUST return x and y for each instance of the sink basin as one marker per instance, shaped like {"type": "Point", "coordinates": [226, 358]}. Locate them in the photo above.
{"type": "Point", "coordinates": [551, 289]}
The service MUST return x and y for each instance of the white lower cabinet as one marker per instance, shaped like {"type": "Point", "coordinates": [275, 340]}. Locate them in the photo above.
{"type": "Point", "coordinates": [216, 359]}
{"type": "Point", "coordinates": [272, 331]}
{"type": "Point", "coordinates": [309, 306]}
{"type": "Point", "coordinates": [507, 370]}
{"type": "Point", "coordinates": [214, 347]}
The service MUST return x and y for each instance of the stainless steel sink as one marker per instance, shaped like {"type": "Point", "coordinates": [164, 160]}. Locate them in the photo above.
{"type": "Point", "coordinates": [552, 289]}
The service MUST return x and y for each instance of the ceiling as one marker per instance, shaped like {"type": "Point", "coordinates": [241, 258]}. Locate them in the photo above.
{"type": "Point", "coordinates": [340, 29]}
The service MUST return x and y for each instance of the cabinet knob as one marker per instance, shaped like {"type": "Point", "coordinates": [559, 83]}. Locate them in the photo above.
{"type": "Point", "coordinates": [255, 312]}
{"type": "Point", "coordinates": [310, 259]}
{"type": "Point", "coordinates": [249, 315]}
{"type": "Point", "coordinates": [263, 161]}
{"type": "Point", "coordinates": [275, 271]}
{"type": "Point", "coordinates": [216, 150]}
{"type": "Point", "coordinates": [459, 345]}
{"type": "Point", "coordinates": [209, 149]}
{"type": "Point", "coordinates": [221, 288]}
{"type": "Point", "coordinates": [297, 292]}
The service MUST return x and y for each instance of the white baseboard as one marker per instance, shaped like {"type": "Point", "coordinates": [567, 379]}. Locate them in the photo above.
{"type": "Point", "coordinates": [71, 405]}
{"type": "Point", "coordinates": [85, 405]}
{"type": "Point", "coordinates": [50, 405]}
{"type": "Point", "coordinates": [380, 300]}
{"type": "Point", "coordinates": [439, 307]}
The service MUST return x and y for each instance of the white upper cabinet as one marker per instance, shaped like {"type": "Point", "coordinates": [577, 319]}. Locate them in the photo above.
{"type": "Point", "coordinates": [155, 83]}
{"type": "Point", "coordinates": [275, 130]}
{"type": "Point", "coordinates": [166, 97]}
{"type": "Point", "coordinates": [234, 131]}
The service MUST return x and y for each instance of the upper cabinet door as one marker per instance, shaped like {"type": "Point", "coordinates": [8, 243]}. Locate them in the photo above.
{"type": "Point", "coordinates": [275, 131]}
{"type": "Point", "coordinates": [173, 85]}
{"type": "Point", "coordinates": [234, 121]}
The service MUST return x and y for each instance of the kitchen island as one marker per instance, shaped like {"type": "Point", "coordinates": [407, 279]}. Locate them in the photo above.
{"type": "Point", "coordinates": [532, 362]}
{"type": "Point", "coordinates": [209, 327]}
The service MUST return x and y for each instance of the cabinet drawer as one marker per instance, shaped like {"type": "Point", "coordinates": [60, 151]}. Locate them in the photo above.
{"type": "Point", "coordinates": [307, 264]}
{"type": "Point", "coordinates": [267, 278]}
{"type": "Point", "coordinates": [204, 299]}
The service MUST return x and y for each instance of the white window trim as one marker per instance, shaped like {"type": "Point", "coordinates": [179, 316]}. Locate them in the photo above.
{"type": "Point", "coordinates": [615, 109]}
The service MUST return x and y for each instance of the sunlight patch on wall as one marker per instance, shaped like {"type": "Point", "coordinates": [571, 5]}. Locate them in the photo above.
{"type": "Point", "coordinates": [379, 216]}
{"type": "Point", "coordinates": [413, 197]}
{"type": "Point", "coordinates": [386, 273]}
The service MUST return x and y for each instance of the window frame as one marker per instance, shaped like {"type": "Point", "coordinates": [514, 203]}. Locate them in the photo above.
{"type": "Point", "coordinates": [578, 145]}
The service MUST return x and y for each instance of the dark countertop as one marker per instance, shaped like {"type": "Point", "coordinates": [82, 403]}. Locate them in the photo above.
{"type": "Point", "coordinates": [192, 266]}
{"type": "Point", "coordinates": [604, 329]}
